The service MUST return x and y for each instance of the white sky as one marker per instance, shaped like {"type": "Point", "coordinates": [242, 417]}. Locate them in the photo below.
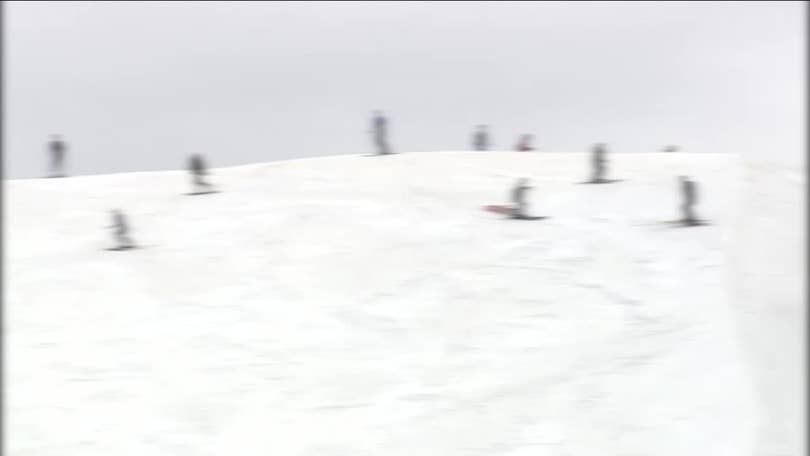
{"type": "Point", "coordinates": [138, 86]}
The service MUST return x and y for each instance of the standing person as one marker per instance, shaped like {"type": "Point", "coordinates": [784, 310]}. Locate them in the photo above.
{"type": "Point", "coordinates": [689, 199]}
{"type": "Point", "coordinates": [525, 143]}
{"type": "Point", "coordinates": [481, 138]}
{"type": "Point", "coordinates": [121, 227]}
{"type": "Point", "coordinates": [519, 200]}
{"type": "Point", "coordinates": [599, 151]}
{"type": "Point", "coordinates": [379, 129]}
{"type": "Point", "coordinates": [57, 149]}
{"type": "Point", "coordinates": [198, 172]}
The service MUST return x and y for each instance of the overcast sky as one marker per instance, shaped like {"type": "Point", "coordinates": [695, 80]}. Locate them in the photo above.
{"type": "Point", "coordinates": [137, 86]}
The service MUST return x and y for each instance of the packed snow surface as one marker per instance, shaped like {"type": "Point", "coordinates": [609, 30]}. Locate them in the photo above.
{"type": "Point", "coordinates": [369, 306]}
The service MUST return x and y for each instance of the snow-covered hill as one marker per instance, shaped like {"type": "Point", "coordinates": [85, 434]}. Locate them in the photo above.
{"type": "Point", "coordinates": [368, 306]}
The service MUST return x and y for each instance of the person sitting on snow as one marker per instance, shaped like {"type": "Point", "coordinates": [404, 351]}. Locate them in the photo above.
{"type": "Point", "coordinates": [525, 143]}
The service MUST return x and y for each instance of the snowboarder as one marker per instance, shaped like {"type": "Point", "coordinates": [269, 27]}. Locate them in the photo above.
{"type": "Point", "coordinates": [481, 138]}
{"type": "Point", "coordinates": [689, 194]}
{"type": "Point", "coordinates": [524, 143]}
{"type": "Point", "coordinates": [519, 200]}
{"type": "Point", "coordinates": [599, 151]}
{"type": "Point", "coordinates": [379, 129]}
{"type": "Point", "coordinates": [198, 170]}
{"type": "Point", "coordinates": [57, 149]}
{"type": "Point", "coordinates": [121, 228]}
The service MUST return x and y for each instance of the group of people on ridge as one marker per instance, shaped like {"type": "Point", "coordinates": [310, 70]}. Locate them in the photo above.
{"type": "Point", "coordinates": [480, 142]}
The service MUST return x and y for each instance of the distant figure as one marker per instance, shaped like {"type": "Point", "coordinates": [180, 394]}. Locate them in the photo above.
{"type": "Point", "coordinates": [121, 227]}
{"type": "Point", "coordinates": [519, 200]}
{"type": "Point", "coordinates": [598, 161]}
{"type": "Point", "coordinates": [198, 170]}
{"type": "Point", "coordinates": [671, 149]}
{"type": "Point", "coordinates": [689, 195]}
{"type": "Point", "coordinates": [379, 129]}
{"type": "Point", "coordinates": [481, 138]}
{"type": "Point", "coordinates": [57, 149]}
{"type": "Point", "coordinates": [525, 143]}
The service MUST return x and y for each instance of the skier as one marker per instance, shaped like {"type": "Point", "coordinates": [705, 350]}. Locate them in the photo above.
{"type": "Point", "coordinates": [121, 228]}
{"type": "Point", "coordinates": [670, 149]}
{"type": "Point", "coordinates": [689, 194]}
{"type": "Point", "coordinates": [197, 168]}
{"type": "Point", "coordinates": [519, 200]}
{"type": "Point", "coordinates": [525, 143]}
{"type": "Point", "coordinates": [599, 151]}
{"type": "Point", "coordinates": [57, 148]}
{"type": "Point", "coordinates": [481, 138]}
{"type": "Point", "coordinates": [379, 128]}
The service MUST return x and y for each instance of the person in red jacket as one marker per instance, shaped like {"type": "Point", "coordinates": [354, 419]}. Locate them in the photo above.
{"type": "Point", "coordinates": [525, 143]}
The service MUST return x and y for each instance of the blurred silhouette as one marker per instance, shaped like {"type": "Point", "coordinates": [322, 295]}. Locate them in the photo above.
{"type": "Point", "coordinates": [689, 199]}
{"type": "Point", "coordinates": [524, 143]}
{"type": "Point", "coordinates": [671, 149]}
{"type": "Point", "coordinates": [198, 170]}
{"type": "Point", "coordinates": [57, 149]}
{"type": "Point", "coordinates": [598, 160]}
{"type": "Point", "coordinates": [121, 230]}
{"type": "Point", "coordinates": [379, 129]}
{"type": "Point", "coordinates": [481, 138]}
{"type": "Point", "coordinates": [519, 200]}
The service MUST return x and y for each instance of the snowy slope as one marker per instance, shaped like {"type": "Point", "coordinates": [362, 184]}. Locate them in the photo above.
{"type": "Point", "coordinates": [368, 306]}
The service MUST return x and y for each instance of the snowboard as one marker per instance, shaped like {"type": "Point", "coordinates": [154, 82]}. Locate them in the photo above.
{"type": "Point", "coordinates": [498, 209]}
{"type": "Point", "coordinates": [602, 181]}
{"type": "Point", "coordinates": [118, 249]}
{"type": "Point", "coordinates": [506, 210]}
{"type": "Point", "coordinates": [203, 192]}
{"type": "Point", "coordinates": [531, 217]}
{"type": "Point", "coordinates": [682, 223]}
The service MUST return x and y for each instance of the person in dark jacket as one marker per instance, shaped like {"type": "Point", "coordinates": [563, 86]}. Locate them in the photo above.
{"type": "Point", "coordinates": [58, 150]}
{"type": "Point", "coordinates": [198, 170]}
{"type": "Point", "coordinates": [689, 199]}
{"type": "Point", "coordinates": [379, 131]}
{"type": "Point", "coordinates": [121, 229]}
{"type": "Point", "coordinates": [598, 161]}
{"type": "Point", "coordinates": [525, 143]}
{"type": "Point", "coordinates": [481, 138]}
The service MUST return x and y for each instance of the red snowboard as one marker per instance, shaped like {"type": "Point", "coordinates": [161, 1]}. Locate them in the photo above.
{"type": "Point", "coordinates": [498, 209]}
